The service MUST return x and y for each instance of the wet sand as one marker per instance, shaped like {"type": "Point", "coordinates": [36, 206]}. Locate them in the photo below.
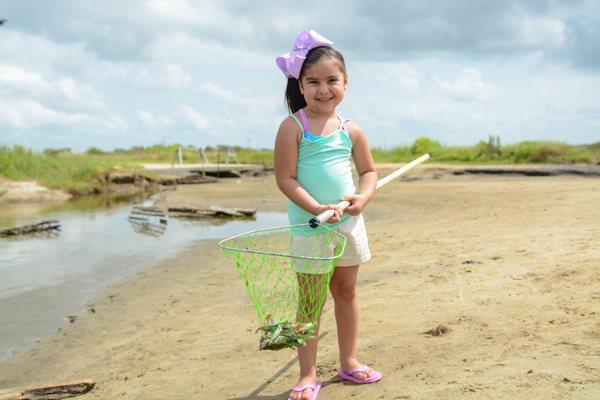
{"type": "Point", "coordinates": [509, 264]}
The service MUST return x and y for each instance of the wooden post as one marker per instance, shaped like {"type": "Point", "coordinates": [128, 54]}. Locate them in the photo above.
{"type": "Point", "coordinates": [177, 156]}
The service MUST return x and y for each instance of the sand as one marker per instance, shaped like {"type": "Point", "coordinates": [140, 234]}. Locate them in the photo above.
{"type": "Point", "coordinates": [509, 264]}
{"type": "Point", "coordinates": [29, 192]}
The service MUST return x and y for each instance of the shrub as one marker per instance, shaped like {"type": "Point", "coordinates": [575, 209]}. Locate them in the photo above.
{"type": "Point", "coordinates": [425, 145]}
{"type": "Point", "coordinates": [94, 151]}
{"type": "Point", "coordinates": [548, 151]}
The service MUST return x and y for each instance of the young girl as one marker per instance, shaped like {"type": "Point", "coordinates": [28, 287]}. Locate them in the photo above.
{"type": "Point", "coordinates": [312, 168]}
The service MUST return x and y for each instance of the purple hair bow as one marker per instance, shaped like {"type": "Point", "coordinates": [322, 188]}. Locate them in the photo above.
{"type": "Point", "coordinates": [291, 63]}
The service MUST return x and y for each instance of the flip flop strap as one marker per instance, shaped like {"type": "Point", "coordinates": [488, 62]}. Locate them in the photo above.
{"type": "Point", "coordinates": [301, 389]}
{"type": "Point", "coordinates": [362, 368]}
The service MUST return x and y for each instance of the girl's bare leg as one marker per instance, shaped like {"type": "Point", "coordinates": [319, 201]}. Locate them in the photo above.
{"type": "Point", "coordinates": [343, 290]}
{"type": "Point", "coordinates": [309, 285]}
{"type": "Point", "coordinates": [307, 358]}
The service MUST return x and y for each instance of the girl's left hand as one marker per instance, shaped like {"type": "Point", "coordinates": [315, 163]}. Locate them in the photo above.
{"type": "Point", "coordinates": [357, 203]}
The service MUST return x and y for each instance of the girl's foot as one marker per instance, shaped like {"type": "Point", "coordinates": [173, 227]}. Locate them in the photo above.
{"type": "Point", "coordinates": [363, 374]}
{"type": "Point", "coordinates": [304, 389]}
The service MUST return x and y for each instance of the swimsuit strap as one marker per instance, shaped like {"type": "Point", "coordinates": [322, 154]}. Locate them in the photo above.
{"type": "Point", "coordinates": [298, 122]}
{"type": "Point", "coordinates": [304, 120]}
{"type": "Point", "coordinates": [304, 125]}
{"type": "Point", "coordinates": [343, 123]}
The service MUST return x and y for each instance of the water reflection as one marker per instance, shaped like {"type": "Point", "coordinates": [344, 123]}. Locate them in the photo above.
{"type": "Point", "coordinates": [143, 227]}
{"type": "Point", "coordinates": [44, 278]}
{"type": "Point", "coordinates": [25, 213]}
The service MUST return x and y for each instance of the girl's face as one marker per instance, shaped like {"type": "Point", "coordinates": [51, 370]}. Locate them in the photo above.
{"type": "Point", "coordinates": [323, 85]}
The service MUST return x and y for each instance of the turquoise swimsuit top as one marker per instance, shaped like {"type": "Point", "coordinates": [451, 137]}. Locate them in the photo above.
{"type": "Point", "coordinates": [323, 169]}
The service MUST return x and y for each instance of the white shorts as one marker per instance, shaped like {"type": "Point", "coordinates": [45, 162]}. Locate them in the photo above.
{"type": "Point", "coordinates": [356, 251]}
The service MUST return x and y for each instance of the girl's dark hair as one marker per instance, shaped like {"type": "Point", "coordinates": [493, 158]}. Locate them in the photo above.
{"type": "Point", "coordinates": [293, 98]}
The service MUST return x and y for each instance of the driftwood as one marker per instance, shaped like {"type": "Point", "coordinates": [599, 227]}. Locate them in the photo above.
{"type": "Point", "coordinates": [439, 330]}
{"type": "Point", "coordinates": [147, 213]}
{"type": "Point", "coordinates": [214, 211]}
{"type": "Point", "coordinates": [141, 214]}
{"type": "Point", "coordinates": [185, 179]}
{"type": "Point", "coordinates": [149, 209]}
{"type": "Point", "coordinates": [39, 227]}
{"type": "Point", "coordinates": [540, 170]}
{"type": "Point", "coordinates": [141, 217]}
{"type": "Point", "coordinates": [49, 392]}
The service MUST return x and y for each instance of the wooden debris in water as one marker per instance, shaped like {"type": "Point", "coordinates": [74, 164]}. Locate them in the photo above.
{"type": "Point", "coordinates": [214, 211]}
{"type": "Point", "coordinates": [148, 211]}
{"type": "Point", "coordinates": [35, 228]}
{"type": "Point", "coordinates": [277, 336]}
{"type": "Point", "coordinates": [49, 392]}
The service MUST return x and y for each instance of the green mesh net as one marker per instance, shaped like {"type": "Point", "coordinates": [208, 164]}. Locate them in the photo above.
{"type": "Point", "coordinates": [286, 272]}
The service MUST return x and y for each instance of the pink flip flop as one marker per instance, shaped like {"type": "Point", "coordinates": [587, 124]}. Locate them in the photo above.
{"type": "Point", "coordinates": [349, 375]}
{"type": "Point", "coordinates": [315, 388]}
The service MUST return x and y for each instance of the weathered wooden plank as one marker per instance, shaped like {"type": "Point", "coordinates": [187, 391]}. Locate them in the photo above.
{"type": "Point", "coordinates": [149, 213]}
{"type": "Point", "coordinates": [39, 227]}
{"type": "Point", "coordinates": [49, 392]}
{"type": "Point", "coordinates": [214, 211]}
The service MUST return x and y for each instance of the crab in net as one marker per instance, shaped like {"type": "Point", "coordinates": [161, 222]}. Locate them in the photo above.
{"type": "Point", "coordinates": [286, 272]}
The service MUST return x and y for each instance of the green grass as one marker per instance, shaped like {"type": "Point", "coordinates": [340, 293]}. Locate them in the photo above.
{"type": "Point", "coordinates": [84, 173]}
{"type": "Point", "coordinates": [77, 173]}
{"type": "Point", "coordinates": [492, 152]}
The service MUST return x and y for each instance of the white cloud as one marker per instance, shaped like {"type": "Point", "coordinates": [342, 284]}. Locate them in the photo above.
{"type": "Point", "coordinates": [197, 120]}
{"type": "Point", "coordinates": [247, 103]}
{"type": "Point", "coordinates": [188, 48]}
{"type": "Point", "coordinates": [19, 83]}
{"type": "Point", "coordinates": [204, 15]}
{"type": "Point", "coordinates": [153, 120]}
{"type": "Point", "coordinates": [469, 86]}
{"type": "Point", "coordinates": [216, 90]}
{"type": "Point", "coordinates": [16, 77]}
{"type": "Point", "coordinates": [114, 123]}
{"type": "Point", "coordinates": [40, 53]}
{"type": "Point", "coordinates": [540, 31]}
{"type": "Point", "coordinates": [79, 94]}
{"type": "Point", "coordinates": [32, 113]}
{"type": "Point", "coordinates": [147, 118]}
{"type": "Point", "coordinates": [400, 74]}
{"type": "Point", "coordinates": [170, 76]}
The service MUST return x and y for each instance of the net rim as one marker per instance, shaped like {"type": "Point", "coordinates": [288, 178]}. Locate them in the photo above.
{"type": "Point", "coordinates": [335, 257]}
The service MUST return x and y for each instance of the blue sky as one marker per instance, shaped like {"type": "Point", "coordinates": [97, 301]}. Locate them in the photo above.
{"type": "Point", "coordinates": [123, 73]}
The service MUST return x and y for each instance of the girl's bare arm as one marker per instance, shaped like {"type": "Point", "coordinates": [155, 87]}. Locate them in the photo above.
{"type": "Point", "coordinates": [366, 169]}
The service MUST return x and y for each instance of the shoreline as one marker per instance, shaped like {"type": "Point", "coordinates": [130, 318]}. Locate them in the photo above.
{"type": "Point", "coordinates": [494, 259]}
{"type": "Point", "coordinates": [123, 185]}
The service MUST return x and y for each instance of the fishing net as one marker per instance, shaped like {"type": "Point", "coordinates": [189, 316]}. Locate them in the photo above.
{"type": "Point", "coordinates": [286, 272]}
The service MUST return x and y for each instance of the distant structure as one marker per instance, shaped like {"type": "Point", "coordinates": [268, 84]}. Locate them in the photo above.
{"type": "Point", "coordinates": [178, 156]}
{"type": "Point", "coordinates": [231, 153]}
{"type": "Point", "coordinates": [203, 155]}
{"type": "Point", "coordinates": [2, 21]}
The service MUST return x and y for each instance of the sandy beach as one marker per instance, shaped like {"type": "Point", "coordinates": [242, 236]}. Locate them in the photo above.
{"type": "Point", "coordinates": [510, 264]}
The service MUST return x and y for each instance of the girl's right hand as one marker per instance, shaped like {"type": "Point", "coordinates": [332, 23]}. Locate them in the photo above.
{"type": "Point", "coordinates": [337, 212]}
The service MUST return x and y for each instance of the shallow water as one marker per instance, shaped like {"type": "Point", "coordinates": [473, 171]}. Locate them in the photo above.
{"type": "Point", "coordinates": [45, 278]}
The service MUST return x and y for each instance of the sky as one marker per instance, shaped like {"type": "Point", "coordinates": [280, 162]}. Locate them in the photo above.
{"type": "Point", "coordinates": [116, 74]}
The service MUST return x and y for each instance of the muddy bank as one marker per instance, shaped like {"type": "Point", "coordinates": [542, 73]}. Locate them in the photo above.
{"type": "Point", "coordinates": [592, 171]}
{"type": "Point", "coordinates": [508, 264]}
{"type": "Point", "coordinates": [117, 185]}
{"type": "Point", "coordinates": [29, 192]}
